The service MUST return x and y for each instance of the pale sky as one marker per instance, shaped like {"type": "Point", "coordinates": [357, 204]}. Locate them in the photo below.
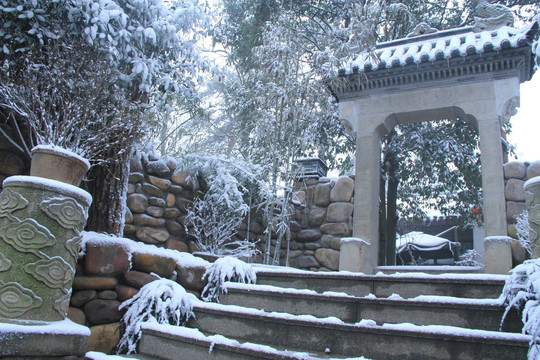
{"type": "Point", "coordinates": [525, 134]}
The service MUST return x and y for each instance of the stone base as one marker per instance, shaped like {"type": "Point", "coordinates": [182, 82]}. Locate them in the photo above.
{"type": "Point", "coordinates": [354, 256]}
{"type": "Point", "coordinates": [498, 254]}
{"type": "Point", "coordinates": [56, 340]}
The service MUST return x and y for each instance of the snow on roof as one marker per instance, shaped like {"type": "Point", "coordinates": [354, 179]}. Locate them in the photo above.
{"type": "Point", "coordinates": [441, 45]}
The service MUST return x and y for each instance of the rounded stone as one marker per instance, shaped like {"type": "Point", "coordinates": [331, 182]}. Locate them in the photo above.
{"type": "Point", "coordinates": [339, 212]}
{"type": "Point", "coordinates": [533, 170]}
{"type": "Point", "coordinates": [79, 298]}
{"type": "Point", "coordinates": [343, 190]}
{"type": "Point", "coordinates": [512, 231]}
{"type": "Point", "coordinates": [341, 229]}
{"type": "Point", "coordinates": [171, 162]}
{"type": "Point", "coordinates": [137, 203]}
{"type": "Point", "coordinates": [106, 259]}
{"type": "Point", "coordinates": [158, 168]}
{"type": "Point", "coordinates": [163, 184]}
{"type": "Point", "coordinates": [102, 311]}
{"type": "Point", "coordinates": [170, 200]}
{"type": "Point", "coordinates": [185, 179]}
{"type": "Point", "coordinates": [138, 279]}
{"type": "Point", "coordinates": [328, 258]}
{"type": "Point", "coordinates": [513, 208]}
{"type": "Point", "coordinates": [105, 338]}
{"type": "Point", "coordinates": [515, 170]}
{"type": "Point", "coordinates": [147, 220]}
{"type": "Point", "coordinates": [130, 189]}
{"type": "Point", "coordinates": [308, 235]}
{"type": "Point", "coordinates": [152, 236]}
{"type": "Point", "coordinates": [299, 197]}
{"type": "Point", "coordinates": [519, 254]}
{"type": "Point", "coordinates": [295, 226]}
{"type": "Point", "coordinates": [307, 262]}
{"type": "Point", "coordinates": [316, 216]}
{"type": "Point", "coordinates": [151, 263]}
{"type": "Point", "coordinates": [183, 204]}
{"type": "Point", "coordinates": [107, 295]}
{"type": "Point", "coordinates": [191, 277]}
{"type": "Point", "coordinates": [175, 229]}
{"type": "Point", "coordinates": [177, 245]}
{"type": "Point", "coordinates": [156, 201]}
{"type": "Point", "coordinates": [130, 229]}
{"type": "Point", "coordinates": [76, 315]}
{"type": "Point", "coordinates": [326, 241]}
{"type": "Point", "coordinates": [94, 283]}
{"type": "Point", "coordinates": [336, 243]}
{"type": "Point", "coordinates": [321, 196]}
{"type": "Point", "coordinates": [155, 211]}
{"type": "Point", "coordinates": [513, 190]}
{"type": "Point", "coordinates": [126, 292]}
{"type": "Point", "coordinates": [176, 189]}
{"type": "Point", "coordinates": [135, 178]}
{"type": "Point", "coordinates": [152, 190]}
{"type": "Point", "coordinates": [171, 213]}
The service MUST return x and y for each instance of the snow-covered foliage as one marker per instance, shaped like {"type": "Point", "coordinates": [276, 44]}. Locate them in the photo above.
{"type": "Point", "coordinates": [469, 258]}
{"type": "Point", "coordinates": [226, 269]}
{"type": "Point", "coordinates": [522, 291]}
{"type": "Point", "coordinates": [523, 229]}
{"type": "Point", "coordinates": [232, 187]}
{"type": "Point", "coordinates": [162, 301]}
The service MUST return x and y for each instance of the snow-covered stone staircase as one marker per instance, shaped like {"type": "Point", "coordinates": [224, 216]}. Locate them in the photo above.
{"type": "Point", "coordinates": [403, 316]}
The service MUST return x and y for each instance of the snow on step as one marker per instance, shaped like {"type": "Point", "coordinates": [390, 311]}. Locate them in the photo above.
{"type": "Point", "coordinates": [364, 338]}
{"type": "Point", "coordinates": [483, 314]}
{"type": "Point", "coordinates": [405, 284]}
{"type": "Point", "coordinates": [167, 341]}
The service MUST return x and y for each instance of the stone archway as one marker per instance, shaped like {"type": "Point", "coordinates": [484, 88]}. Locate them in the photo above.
{"type": "Point", "coordinates": [444, 77]}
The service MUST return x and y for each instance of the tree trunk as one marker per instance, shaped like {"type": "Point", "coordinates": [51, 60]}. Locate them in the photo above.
{"type": "Point", "coordinates": [391, 210]}
{"type": "Point", "coordinates": [108, 186]}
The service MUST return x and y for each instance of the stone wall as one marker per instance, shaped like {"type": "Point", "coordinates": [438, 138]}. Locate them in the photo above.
{"type": "Point", "coordinates": [110, 273]}
{"type": "Point", "coordinates": [160, 191]}
{"type": "Point", "coordinates": [515, 175]}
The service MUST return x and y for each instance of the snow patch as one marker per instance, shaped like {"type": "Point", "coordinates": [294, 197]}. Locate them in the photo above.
{"type": "Point", "coordinates": [535, 180]}
{"type": "Point", "coordinates": [63, 327]}
{"type": "Point", "coordinates": [51, 185]}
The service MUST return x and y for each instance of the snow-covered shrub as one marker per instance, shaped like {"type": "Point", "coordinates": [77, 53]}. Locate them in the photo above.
{"type": "Point", "coordinates": [523, 229]}
{"type": "Point", "coordinates": [522, 291]}
{"type": "Point", "coordinates": [162, 301]}
{"type": "Point", "coordinates": [226, 269]}
{"type": "Point", "coordinates": [233, 186]}
{"type": "Point", "coordinates": [468, 258]}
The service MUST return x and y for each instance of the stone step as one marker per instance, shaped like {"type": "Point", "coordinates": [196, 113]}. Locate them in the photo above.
{"type": "Point", "coordinates": [398, 341]}
{"type": "Point", "coordinates": [168, 342]}
{"type": "Point", "coordinates": [407, 285]}
{"type": "Point", "coordinates": [424, 310]}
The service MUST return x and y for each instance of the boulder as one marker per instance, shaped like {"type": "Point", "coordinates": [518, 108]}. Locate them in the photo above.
{"type": "Point", "coordinates": [299, 197]}
{"type": "Point", "coordinates": [336, 243]}
{"type": "Point", "coordinates": [79, 298]}
{"type": "Point", "coordinates": [307, 262]}
{"type": "Point", "coordinates": [343, 190]}
{"type": "Point", "coordinates": [147, 220]}
{"type": "Point", "coordinates": [321, 196]}
{"type": "Point", "coordinates": [519, 254]}
{"type": "Point", "coordinates": [152, 236]}
{"type": "Point", "coordinates": [340, 229]}
{"type": "Point", "coordinates": [513, 208]}
{"type": "Point", "coordinates": [185, 179]}
{"type": "Point", "coordinates": [76, 315]}
{"type": "Point", "coordinates": [135, 164]}
{"type": "Point", "coordinates": [339, 212]}
{"type": "Point", "coordinates": [328, 258]}
{"type": "Point", "coordinates": [135, 177]}
{"type": "Point", "coordinates": [128, 218]}
{"type": "Point", "coordinates": [191, 277]}
{"type": "Point", "coordinates": [170, 200]}
{"type": "Point", "coordinates": [158, 168]}
{"type": "Point", "coordinates": [515, 170]}
{"type": "Point", "coordinates": [156, 201]}
{"type": "Point", "coordinates": [183, 204]}
{"type": "Point", "coordinates": [104, 338]}
{"type": "Point", "coordinates": [138, 279]}
{"type": "Point", "coordinates": [152, 190]}
{"type": "Point", "coordinates": [107, 295]}
{"type": "Point", "coordinates": [175, 229]}
{"type": "Point", "coordinates": [533, 170]}
{"type": "Point", "coordinates": [106, 259]}
{"type": "Point", "coordinates": [163, 184]}
{"type": "Point", "coordinates": [125, 292]}
{"type": "Point", "coordinates": [326, 241]}
{"type": "Point", "coordinates": [94, 283]}
{"type": "Point", "coordinates": [151, 263]}
{"type": "Point", "coordinates": [100, 311]}
{"type": "Point", "coordinates": [513, 190]}
{"type": "Point", "coordinates": [308, 235]}
{"type": "Point", "coordinates": [155, 211]}
{"type": "Point", "coordinates": [171, 213]}
{"type": "Point", "coordinates": [316, 216]}
{"type": "Point", "coordinates": [177, 245]}
{"type": "Point", "coordinates": [137, 203]}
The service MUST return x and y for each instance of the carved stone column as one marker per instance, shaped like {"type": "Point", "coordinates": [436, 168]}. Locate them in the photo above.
{"type": "Point", "coordinates": [40, 233]}
{"type": "Point", "coordinates": [532, 198]}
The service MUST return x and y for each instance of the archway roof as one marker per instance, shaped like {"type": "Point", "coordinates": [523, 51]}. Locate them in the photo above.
{"type": "Point", "coordinates": [420, 59]}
